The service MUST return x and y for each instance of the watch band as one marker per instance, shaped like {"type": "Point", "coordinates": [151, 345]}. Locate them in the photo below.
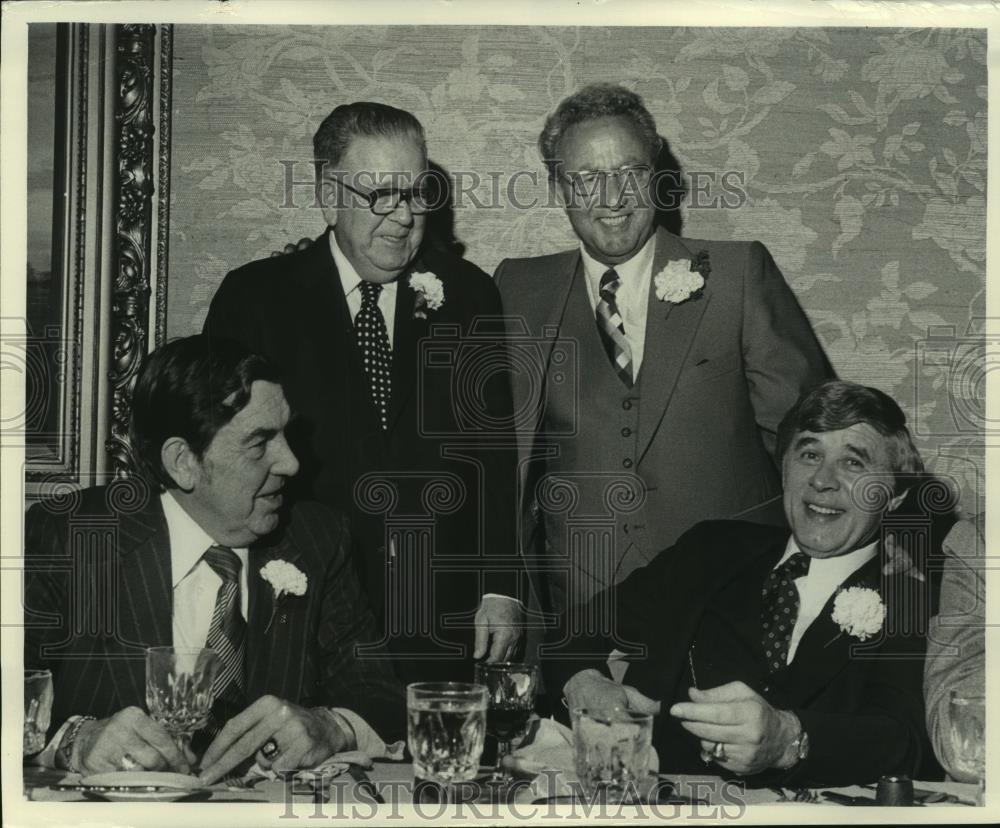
{"type": "Point", "coordinates": [64, 753]}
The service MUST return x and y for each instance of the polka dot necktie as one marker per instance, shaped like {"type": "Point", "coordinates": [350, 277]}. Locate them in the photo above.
{"type": "Point", "coordinates": [779, 607]}
{"type": "Point", "coordinates": [612, 328]}
{"type": "Point", "coordinates": [227, 632]}
{"type": "Point", "coordinates": [376, 353]}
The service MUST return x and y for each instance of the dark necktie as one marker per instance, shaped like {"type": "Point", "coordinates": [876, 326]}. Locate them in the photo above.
{"type": "Point", "coordinates": [227, 632]}
{"type": "Point", "coordinates": [779, 608]}
{"type": "Point", "coordinates": [612, 329]}
{"type": "Point", "coordinates": [376, 353]}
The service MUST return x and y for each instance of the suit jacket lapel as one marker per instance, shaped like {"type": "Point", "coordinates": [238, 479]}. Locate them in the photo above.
{"type": "Point", "coordinates": [145, 607]}
{"type": "Point", "coordinates": [725, 587]}
{"type": "Point", "coordinates": [824, 648]}
{"type": "Point", "coordinates": [670, 330]}
{"type": "Point", "coordinates": [530, 395]}
{"type": "Point", "coordinates": [270, 636]}
{"type": "Point", "coordinates": [406, 333]}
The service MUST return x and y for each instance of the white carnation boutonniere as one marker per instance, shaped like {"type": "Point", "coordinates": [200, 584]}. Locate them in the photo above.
{"type": "Point", "coordinates": [859, 611]}
{"type": "Point", "coordinates": [682, 279]}
{"type": "Point", "coordinates": [430, 293]}
{"type": "Point", "coordinates": [284, 578]}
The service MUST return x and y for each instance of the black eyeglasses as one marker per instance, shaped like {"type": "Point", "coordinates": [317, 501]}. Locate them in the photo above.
{"type": "Point", "coordinates": [384, 200]}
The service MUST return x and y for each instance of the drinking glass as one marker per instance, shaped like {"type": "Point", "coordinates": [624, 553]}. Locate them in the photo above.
{"type": "Point", "coordinates": [37, 709]}
{"type": "Point", "coordinates": [611, 750]}
{"type": "Point", "coordinates": [967, 717]}
{"type": "Point", "coordinates": [446, 727]}
{"type": "Point", "coordinates": [510, 689]}
{"type": "Point", "coordinates": [179, 689]}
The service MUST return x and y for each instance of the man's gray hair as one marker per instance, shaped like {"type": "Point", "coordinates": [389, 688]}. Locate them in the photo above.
{"type": "Point", "coordinates": [599, 100]}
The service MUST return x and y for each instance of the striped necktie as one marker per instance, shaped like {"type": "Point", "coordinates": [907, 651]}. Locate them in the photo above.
{"type": "Point", "coordinates": [227, 632]}
{"type": "Point", "coordinates": [779, 608]}
{"type": "Point", "coordinates": [612, 329]}
{"type": "Point", "coordinates": [376, 353]}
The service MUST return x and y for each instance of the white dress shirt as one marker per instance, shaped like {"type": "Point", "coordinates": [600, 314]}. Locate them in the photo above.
{"type": "Point", "coordinates": [632, 296]}
{"type": "Point", "coordinates": [351, 283]}
{"type": "Point", "coordinates": [825, 575]}
{"type": "Point", "coordinates": [195, 584]}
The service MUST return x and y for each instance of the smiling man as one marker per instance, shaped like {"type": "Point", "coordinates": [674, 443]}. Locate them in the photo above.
{"type": "Point", "coordinates": [685, 355]}
{"type": "Point", "coordinates": [785, 658]}
{"type": "Point", "coordinates": [402, 393]}
{"type": "Point", "coordinates": [177, 558]}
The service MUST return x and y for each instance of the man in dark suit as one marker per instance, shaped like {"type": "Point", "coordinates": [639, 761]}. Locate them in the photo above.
{"type": "Point", "coordinates": [113, 570]}
{"type": "Point", "coordinates": [785, 659]}
{"type": "Point", "coordinates": [402, 391]}
{"type": "Point", "coordinates": [661, 366]}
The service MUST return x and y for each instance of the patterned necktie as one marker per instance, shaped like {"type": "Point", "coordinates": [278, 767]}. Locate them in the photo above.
{"type": "Point", "coordinates": [376, 353]}
{"type": "Point", "coordinates": [612, 329]}
{"type": "Point", "coordinates": [779, 607]}
{"type": "Point", "coordinates": [227, 632]}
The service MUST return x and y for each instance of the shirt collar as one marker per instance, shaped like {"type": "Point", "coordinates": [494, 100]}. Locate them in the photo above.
{"type": "Point", "coordinates": [188, 541]}
{"type": "Point", "coordinates": [349, 278]}
{"type": "Point", "coordinates": [837, 569]}
{"type": "Point", "coordinates": [631, 272]}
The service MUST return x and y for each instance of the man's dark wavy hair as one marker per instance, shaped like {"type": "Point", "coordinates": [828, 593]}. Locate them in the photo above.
{"type": "Point", "coordinates": [836, 405]}
{"type": "Point", "coordinates": [190, 388]}
{"type": "Point", "coordinates": [361, 119]}
{"type": "Point", "coordinates": [599, 100]}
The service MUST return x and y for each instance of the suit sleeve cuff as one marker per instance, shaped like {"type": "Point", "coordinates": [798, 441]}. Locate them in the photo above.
{"type": "Point", "coordinates": [366, 740]}
{"type": "Point", "coordinates": [517, 601]}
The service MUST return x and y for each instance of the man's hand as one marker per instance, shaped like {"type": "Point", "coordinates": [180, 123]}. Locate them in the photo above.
{"type": "Point", "coordinates": [304, 738]}
{"type": "Point", "coordinates": [590, 689]}
{"type": "Point", "coordinates": [301, 244]}
{"type": "Point", "coordinates": [128, 735]}
{"type": "Point", "coordinates": [499, 621]}
{"type": "Point", "coordinates": [755, 735]}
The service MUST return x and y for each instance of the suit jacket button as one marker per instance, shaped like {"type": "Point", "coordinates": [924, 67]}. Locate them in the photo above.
{"type": "Point", "coordinates": [627, 462]}
{"type": "Point", "coordinates": [626, 432]}
{"type": "Point", "coordinates": [627, 404]}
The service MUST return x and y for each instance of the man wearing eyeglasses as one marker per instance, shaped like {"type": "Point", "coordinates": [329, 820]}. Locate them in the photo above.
{"type": "Point", "coordinates": [686, 353]}
{"type": "Point", "coordinates": [375, 332]}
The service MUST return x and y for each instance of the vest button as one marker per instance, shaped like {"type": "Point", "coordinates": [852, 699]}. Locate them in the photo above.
{"type": "Point", "coordinates": [626, 432]}
{"type": "Point", "coordinates": [627, 404]}
{"type": "Point", "coordinates": [627, 462]}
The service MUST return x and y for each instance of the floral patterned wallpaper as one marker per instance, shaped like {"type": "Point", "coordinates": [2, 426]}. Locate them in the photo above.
{"type": "Point", "coordinates": [860, 156]}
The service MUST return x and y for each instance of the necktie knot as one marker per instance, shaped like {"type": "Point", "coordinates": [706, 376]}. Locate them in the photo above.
{"type": "Point", "coordinates": [797, 565]}
{"type": "Point", "coordinates": [370, 291]}
{"type": "Point", "coordinates": [225, 563]}
{"type": "Point", "coordinates": [609, 284]}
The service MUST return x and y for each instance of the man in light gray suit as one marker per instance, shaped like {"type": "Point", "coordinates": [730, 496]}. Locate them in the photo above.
{"type": "Point", "coordinates": [685, 354]}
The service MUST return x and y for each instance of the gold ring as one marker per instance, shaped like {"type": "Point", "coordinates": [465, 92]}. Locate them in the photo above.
{"type": "Point", "coordinates": [127, 763]}
{"type": "Point", "coordinates": [269, 749]}
{"type": "Point", "coordinates": [719, 752]}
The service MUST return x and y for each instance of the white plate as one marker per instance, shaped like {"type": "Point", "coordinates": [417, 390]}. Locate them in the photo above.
{"type": "Point", "coordinates": [162, 779]}
{"type": "Point", "coordinates": [165, 795]}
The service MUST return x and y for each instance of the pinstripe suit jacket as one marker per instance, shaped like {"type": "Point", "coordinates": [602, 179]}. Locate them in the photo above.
{"type": "Point", "coordinates": [98, 591]}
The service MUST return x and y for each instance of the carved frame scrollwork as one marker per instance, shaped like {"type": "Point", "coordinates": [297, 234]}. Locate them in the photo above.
{"type": "Point", "coordinates": [143, 170]}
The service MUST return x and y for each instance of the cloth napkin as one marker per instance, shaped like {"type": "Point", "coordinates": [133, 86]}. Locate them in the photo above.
{"type": "Point", "coordinates": [547, 755]}
{"type": "Point", "coordinates": [333, 765]}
